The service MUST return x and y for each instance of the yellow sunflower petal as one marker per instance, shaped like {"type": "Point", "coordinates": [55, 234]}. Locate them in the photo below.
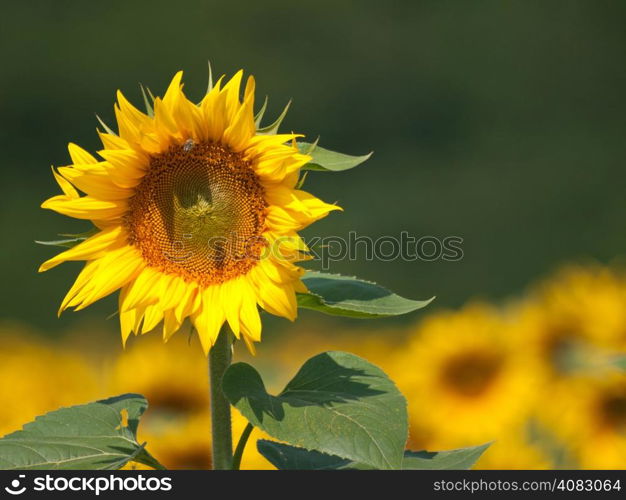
{"type": "Point", "coordinates": [110, 141]}
{"type": "Point", "coordinates": [231, 94]}
{"type": "Point", "coordinates": [170, 324]}
{"type": "Point", "coordinates": [65, 185]}
{"type": "Point", "coordinates": [208, 320]}
{"type": "Point", "coordinates": [92, 248]}
{"type": "Point", "coordinates": [127, 318]}
{"type": "Point", "coordinates": [127, 166]}
{"type": "Point", "coordinates": [300, 204]}
{"type": "Point", "coordinates": [151, 318]}
{"type": "Point", "coordinates": [249, 317]}
{"type": "Point", "coordinates": [96, 183]}
{"type": "Point", "coordinates": [143, 291]}
{"type": "Point", "coordinates": [86, 207]}
{"type": "Point", "coordinates": [186, 302]}
{"type": "Point", "coordinates": [279, 299]}
{"type": "Point", "coordinates": [242, 127]}
{"type": "Point", "coordinates": [113, 271]}
{"type": "Point", "coordinates": [79, 155]}
{"type": "Point", "coordinates": [131, 122]}
{"type": "Point", "coordinates": [231, 296]}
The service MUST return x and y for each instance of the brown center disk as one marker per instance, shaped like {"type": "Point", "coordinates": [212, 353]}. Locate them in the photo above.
{"type": "Point", "coordinates": [471, 374]}
{"type": "Point", "coordinates": [198, 213]}
{"type": "Point", "coordinates": [612, 409]}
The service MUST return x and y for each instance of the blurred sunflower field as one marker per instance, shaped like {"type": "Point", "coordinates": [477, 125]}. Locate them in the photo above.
{"type": "Point", "coordinates": [540, 375]}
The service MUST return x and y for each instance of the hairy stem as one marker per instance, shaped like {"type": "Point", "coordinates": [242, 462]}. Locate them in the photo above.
{"type": "Point", "coordinates": [220, 357]}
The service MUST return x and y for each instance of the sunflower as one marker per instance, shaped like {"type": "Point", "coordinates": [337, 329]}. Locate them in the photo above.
{"type": "Point", "coordinates": [197, 213]}
{"type": "Point", "coordinates": [573, 322]}
{"type": "Point", "coordinates": [588, 415]}
{"type": "Point", "coordinates": [590, 302]}
{"type": "Point", "coordinates": [461, 371]}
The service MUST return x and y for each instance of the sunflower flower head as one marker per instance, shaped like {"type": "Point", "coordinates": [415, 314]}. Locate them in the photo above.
{"type": "Point", "coordinates": [588, 414]}
{"type": "Point", "coordinates": [197, 213]}
{"type": "Point", "coordinates": [462, 366]}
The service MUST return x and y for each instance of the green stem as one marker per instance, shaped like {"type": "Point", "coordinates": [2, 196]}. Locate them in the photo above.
{"type": "Point", "coordinates": [241, 445]}
{"type": "Point", "coordinates": [220, 357]}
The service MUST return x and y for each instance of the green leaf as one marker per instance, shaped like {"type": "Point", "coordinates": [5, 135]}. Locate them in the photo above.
{"type": "Point", "coordinates": [337, 403]}
{"type": "Point", "coordinates": [286, 457]}
{"type": "Point", "coordinates": [99, 435]}
{"type": "Point", "coordinates": [71, 241]}
{"type": "Point", "coordinates": [329, 161]}
{"type": "Point", "coordinates": [463, 458]}
{"type": "Point", "coordinates": [347, 296]}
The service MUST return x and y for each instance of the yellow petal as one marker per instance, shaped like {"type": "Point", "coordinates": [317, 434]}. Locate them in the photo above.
{"type": "Point", "coordinates": [152, 317]}
{"type": "Point", "coordinates": [170, 325]}
{"type": "Point", "coordinates": [92, 248]}
{"type": "Point", "coordinates": [111, 272]}
{"type": "Point", "coordinates": [172, 292]}
{"type": "Point", "coordinates": [249, 314]}
{"type": "Point", "coordinates": [278, 299]}
{"type": "Point", "coordinates": [250, 345]}
{"type": "Point", "coordinates": [144, 290]}
{"type": "Point", "coordinates": [231, 297]}
{"type": "Point", "coordinates": [209, 318]}
{"type": "Point", "coordinates": [242, 127]}
{"type": "Point", "coordinates": [127, 166]}
{"type": "Point", "coordinates": [299, 204]}
{"type": "Point", "coordinates": [81, 281]}
{"type": "Point", "coordinates": [213, 112]}
{"type": "Point", "coordinates": [231, 93]}
{"type": "Point", "coordinates": [79, 155]}
{"type": "Point", "coordinates": [96, 182]}
{"type": "Point", "coordinates": [131, 122]}
{"type": "Point", "coordinates": [110, 141]}
{"type": "Point", "coordinates": [86, 207]}
{"type": "Point", "coordinates": [187, 302]}
{"type": "Point", "coordinates": [127, 318]}
{"type": "Point", "coordinates": [65, 185]}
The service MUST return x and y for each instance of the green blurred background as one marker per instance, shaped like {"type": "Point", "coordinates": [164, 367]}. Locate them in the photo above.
{"type": "Point", "coordinates": [500, 122]}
